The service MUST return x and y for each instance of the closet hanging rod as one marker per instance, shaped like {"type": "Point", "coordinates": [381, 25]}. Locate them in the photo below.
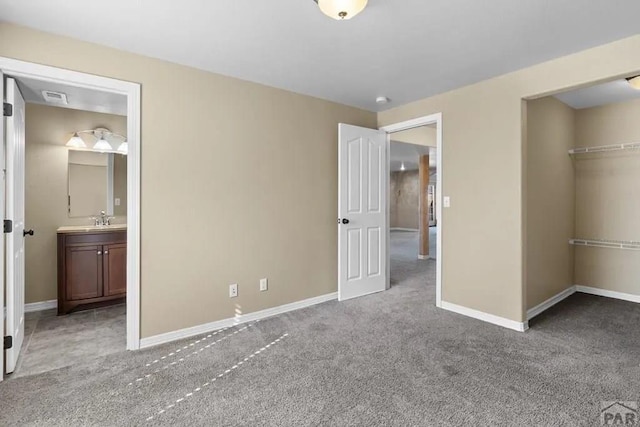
{"type": "Point", "coordinates": [605, 148]}
{"type": "Point", "coordinates": [611, 244]}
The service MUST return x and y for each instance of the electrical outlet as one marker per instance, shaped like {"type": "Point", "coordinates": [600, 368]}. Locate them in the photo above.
{"type": "Point", "coordinates": [117, 201]}
{"type": "Point", "coordinates": [233, 290]}
{"type": "Point", "coordinates": [446, 201]}
{"type": "Point", "coordinates": [263, 285]}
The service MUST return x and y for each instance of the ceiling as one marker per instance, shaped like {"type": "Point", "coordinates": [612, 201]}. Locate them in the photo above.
{"type": "Point", "coordinates": [409, 154]}
{"type": "Point", "coordinates": [602, 94]}
{"type": "Point", "coordinates": [78, 98]}
{"type": "Point", "coordinates": [402, 49]}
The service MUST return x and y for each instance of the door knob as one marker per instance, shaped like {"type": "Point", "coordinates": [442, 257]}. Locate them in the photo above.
{"type": "Point", "coordinates": [345, 221]}
{"type": "Point", "coordinates": [27, 233]}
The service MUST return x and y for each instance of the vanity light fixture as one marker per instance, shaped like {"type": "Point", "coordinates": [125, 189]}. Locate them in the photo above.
{"type": "Point", "coordinates": [634, 82]}
{"type": "Point", "coordinates": [341, 10]}
{"type": "Point", "coordinates": [102, 145]}
{"type": "Point", "coordinates": [76, 142]}
{"type": "Point", "coordinates": [123, 148]}
{"type": "Point", "coordinates": [104, 139]}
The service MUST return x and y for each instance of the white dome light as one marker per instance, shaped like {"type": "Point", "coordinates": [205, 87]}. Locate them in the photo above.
{"type": "Point", "coordinates": [341, 9]}
{"type": "Point", "coordinates": [634, 82]}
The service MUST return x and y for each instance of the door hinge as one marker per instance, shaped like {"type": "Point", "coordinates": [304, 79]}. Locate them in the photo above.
{"type": "Point", "coordinates": [8, 342]}
{"type": "Point", "coordinates": [7, 109]}
{"type": "Point", "coordinates": [8, 226]}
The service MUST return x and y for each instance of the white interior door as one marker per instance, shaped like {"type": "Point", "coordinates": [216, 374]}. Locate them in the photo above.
{"type": "Point", "coordinates": [14, 187]}
{"type": "Point", "coordinates": [362, 210]}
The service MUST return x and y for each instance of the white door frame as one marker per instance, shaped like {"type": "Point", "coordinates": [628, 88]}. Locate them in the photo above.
{"type": "Point", "coordinates": [406, 125]}
{"type": "Point", "coordinates": [15, 68]}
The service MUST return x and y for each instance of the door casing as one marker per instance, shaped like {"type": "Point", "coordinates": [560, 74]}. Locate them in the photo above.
{"type": "Point", "coordinates": [17, 69]}
{"type": "Point", "coordinates": [406, 125]}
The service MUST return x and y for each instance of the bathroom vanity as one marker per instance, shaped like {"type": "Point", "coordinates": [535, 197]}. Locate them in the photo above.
{"type": "Point", "coordinates": [92, 266]}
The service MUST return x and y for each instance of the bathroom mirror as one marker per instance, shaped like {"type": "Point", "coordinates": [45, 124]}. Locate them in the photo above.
{"type": "Point", "coordinates": [97, 182]}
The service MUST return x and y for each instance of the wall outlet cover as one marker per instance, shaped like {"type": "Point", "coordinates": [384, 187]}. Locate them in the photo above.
{"type": "Point", "coordinates": [233, 290]}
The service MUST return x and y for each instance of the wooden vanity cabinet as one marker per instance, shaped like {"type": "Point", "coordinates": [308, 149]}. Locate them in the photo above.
{"type": "Point", "coordinates": [92, 269]}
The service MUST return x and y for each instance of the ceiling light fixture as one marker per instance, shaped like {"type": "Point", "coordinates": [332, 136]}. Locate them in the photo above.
{"type": "Point", "coordinates": [341, 9]}
{"type": "Point", "coordinates": [402, 166]}
{"type": "Point", "coordinates": [76, 142]}
{"type": "Point", "coordinates": [381, 100]}
{"type": "Point", "coordinates": [634, 82]}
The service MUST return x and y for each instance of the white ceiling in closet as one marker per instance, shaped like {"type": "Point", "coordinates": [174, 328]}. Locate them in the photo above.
{"type": "Point", "coordinates": [602, 94]}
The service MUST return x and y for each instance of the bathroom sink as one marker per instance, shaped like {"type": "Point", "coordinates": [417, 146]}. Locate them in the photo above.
{"type": "Point", "coordinates": [88, 228]}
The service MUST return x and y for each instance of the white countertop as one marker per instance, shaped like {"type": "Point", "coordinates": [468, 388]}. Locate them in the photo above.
{"type": "Point", "coordinates": [91, 228]}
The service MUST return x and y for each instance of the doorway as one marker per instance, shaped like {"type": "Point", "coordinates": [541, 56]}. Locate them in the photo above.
{"type": "Point", "coordinates": [364, 165]}
{"type": "Point", "coordinates": [80, 92]}
{"type": "Point", "coordinates": [412, 204]}
{"type": "Point", "coordinates": [424, 131]}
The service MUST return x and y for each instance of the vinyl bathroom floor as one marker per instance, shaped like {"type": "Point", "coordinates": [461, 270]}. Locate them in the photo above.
{"type": "Point", "coordinates": [53, 342]}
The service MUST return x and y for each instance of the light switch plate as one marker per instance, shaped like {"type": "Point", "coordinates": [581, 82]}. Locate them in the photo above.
{"type": "Point", "coordinates": [117, 201]}
{"type": "Point", "coordinates": [446, 201]}
{"type": "Point", "coordinates": [263, 285]}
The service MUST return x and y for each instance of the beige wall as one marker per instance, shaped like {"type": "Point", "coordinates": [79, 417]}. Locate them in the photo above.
{"type": "Point", "coordinates": [405, 199]}
{"type": "Point", "coordinates": [239, 182]}
{"type": "Point", "coordinates": [608, 197]}
{"type": "Point", "coordinates": [483, 137]}
{"type": "Point", "coordinates": [423, 135]}
{"type": "Point", "coordinates": [47, 131]}
{"type": "Point", "coordinates": [550, 190]}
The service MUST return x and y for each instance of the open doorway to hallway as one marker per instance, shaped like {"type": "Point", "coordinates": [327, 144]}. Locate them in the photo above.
{"type": "Point", "coordinates": [412, 205]}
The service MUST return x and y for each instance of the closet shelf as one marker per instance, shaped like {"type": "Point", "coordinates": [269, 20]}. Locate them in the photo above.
{"type": "Point", "coordinates": [602, 243]}
{"type": "Point", "coordinates": [605, 148]}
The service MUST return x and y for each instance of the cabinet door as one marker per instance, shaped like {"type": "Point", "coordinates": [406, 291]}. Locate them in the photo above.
{"type": "Point", "coordinates": [84, 272]}
{"type": "Point", "coordinates": [115, 269]}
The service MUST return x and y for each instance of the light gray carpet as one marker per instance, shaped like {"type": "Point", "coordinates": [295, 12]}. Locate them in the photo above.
{"type": "Point", "coordinates": [386, 359]}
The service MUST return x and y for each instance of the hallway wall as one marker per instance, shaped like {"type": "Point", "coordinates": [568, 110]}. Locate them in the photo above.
{"type": "Point", "coordinates": [405, 199]}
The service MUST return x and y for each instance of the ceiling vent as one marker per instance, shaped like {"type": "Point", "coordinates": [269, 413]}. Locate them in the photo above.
{"type": "Point", "coordinates": [55, 97]}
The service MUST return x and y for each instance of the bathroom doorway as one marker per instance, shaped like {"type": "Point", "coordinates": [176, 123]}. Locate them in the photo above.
{"type": "Point", "coordinates": [76, 164]}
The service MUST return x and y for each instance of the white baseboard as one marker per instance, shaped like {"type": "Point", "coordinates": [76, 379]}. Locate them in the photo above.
{"type": "Point", "coordinates": [225, 323]}
{"type": "Point", "coordinates": [40, 306]}
{"type": "Point", "coordinates": [533, 312]}
{"type": "Point", "coordinates": [607, 293]}
{"type": "Point", "coordinates": [425, 257]}
{"type": "Point", "coordinates": [485, 317]}
{"type": "Point", "coordinates": [402, 229]}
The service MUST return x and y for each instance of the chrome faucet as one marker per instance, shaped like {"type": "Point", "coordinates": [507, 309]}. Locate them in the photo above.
{"type": "Point", "coordinates": [103, 219]}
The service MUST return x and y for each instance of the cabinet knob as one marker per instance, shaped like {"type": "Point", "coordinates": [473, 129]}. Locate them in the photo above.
{"type": "Point", "coordinates": [99, 252]}
{"type": "Point", "coordinates": [106, 252]}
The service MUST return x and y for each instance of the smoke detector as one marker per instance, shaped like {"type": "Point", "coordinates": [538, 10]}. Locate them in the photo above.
{"type": "Point", "coordinates": [55, 97]}
{"type": "Point", "coordinates": [381, 100]}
